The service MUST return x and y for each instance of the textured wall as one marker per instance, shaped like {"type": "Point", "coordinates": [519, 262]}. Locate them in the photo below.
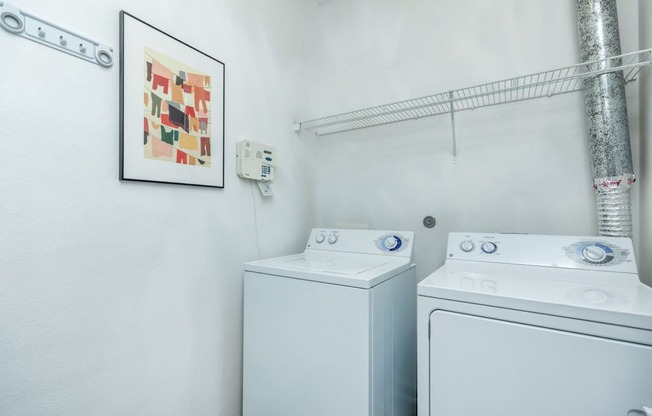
{"type": "Point", "coordinates": [126, 298]}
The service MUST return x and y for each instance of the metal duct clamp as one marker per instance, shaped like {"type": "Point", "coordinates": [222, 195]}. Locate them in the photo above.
{"type": "Point", "coordinates": [25, 25]}
{"type": "Point", "coordinates": [614, 206]}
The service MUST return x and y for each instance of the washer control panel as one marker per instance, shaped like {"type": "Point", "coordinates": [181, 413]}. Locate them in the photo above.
{"type": "Point", "coordinates": [589, 253]}
{"type": "Point", "coordinates": [397, 243]}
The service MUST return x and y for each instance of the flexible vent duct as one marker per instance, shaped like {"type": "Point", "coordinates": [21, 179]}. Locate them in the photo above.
{"type": "Point", "coordinates": [606, 113]}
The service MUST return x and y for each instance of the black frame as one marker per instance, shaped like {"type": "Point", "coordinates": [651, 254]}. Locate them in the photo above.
{"type": "Point", "coordinates": [122, 101]}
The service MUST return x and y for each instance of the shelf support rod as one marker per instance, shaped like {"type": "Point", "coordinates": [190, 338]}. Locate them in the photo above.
{"type": "Point", "coordinates": [450, 96]}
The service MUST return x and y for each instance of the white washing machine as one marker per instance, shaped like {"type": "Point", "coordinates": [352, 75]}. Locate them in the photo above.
{"type": "Point", "coordinates": [332, 331]}
{"type": "Point", "coordinates": [516, 325]}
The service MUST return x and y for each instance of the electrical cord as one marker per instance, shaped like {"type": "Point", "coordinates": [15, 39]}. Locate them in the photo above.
{"type": "Point", "coordinates": [253, 198]}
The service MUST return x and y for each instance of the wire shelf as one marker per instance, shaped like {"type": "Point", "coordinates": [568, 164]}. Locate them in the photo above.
{"type": "Point", "coordinates": [542, 84]}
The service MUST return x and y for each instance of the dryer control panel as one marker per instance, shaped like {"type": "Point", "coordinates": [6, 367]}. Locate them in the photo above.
{"type": "Point", "coordinates": [573, 252]}
{"type": "Point", "coordinates": [392, 243]}
{"type": "Point", "coordinates": [597, 253]}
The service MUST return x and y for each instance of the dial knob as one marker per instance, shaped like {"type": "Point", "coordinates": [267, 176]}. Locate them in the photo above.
{"type": "Point", "coordinates": [467, 246]}
{"type": "Point", "coordinates": [390, 242]}
{"type": "Point", "coordinates": [489, 247]}
{"type": "Point", "coordinates": [332, 239]}
{"type": "Point", "coordinates": [319, 238]}
{"type": "Point", "coordinates": [594, 254]}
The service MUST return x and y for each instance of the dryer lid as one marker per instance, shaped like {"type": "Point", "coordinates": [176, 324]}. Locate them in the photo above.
{"type": "Point", "coordinates": [590, 278]}
{"type": "Point", "coordinates": [581, 294]}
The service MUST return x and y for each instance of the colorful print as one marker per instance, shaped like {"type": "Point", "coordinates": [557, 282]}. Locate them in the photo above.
{"type": "Point", "coordinates": [177, 112]}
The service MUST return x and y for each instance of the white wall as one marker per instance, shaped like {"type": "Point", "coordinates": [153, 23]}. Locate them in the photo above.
{"type": "Point", "coordinates": [123, 298]}
{"type": "Point", "coordinates": [645, 179]}
{"type": "Point", "coordinates": [521, 167]}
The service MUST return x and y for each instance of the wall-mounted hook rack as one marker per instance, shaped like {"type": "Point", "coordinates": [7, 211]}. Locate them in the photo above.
{"type": "Point", "coordinates": [23, 24]}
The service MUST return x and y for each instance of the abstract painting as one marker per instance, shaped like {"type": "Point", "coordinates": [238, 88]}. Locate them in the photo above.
{"type": "Point", "coordinates": [180, 106]}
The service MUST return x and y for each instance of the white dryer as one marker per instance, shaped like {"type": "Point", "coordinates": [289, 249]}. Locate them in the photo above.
{"type": "Point", "coordinates": [532, 325]}
{"type": "Point", "coordinates": [332, 331]}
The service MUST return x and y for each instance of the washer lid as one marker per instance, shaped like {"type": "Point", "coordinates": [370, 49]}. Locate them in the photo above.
{"type": "Point", "coordinates": [330, 265]}
{"type": "Point", "coordinates": [347, 269]}
{"type": "Point", "coordinates": [599, 296]}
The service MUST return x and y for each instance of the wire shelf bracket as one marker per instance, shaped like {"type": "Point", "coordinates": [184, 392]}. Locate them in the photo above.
{"type": "Point", "coordinates": [543, 84]}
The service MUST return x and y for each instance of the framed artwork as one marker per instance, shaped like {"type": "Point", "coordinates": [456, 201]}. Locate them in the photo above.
{"type": "Point", "coordinates": [171, 109]}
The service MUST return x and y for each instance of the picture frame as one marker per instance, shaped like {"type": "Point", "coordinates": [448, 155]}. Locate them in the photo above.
{"type": "Point", "coordinates": [171, 109]}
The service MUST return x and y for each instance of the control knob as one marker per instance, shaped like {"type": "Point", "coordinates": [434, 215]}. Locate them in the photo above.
{"type": "Point", "coordinates": [319, 238]}
{"type": "Point", "coordinates": [489, 247]}
{"type": "Point", "coordinates": [332, 239]}
{"type": "Point", "coordinates": [467, 246]}
{"type": "Point", "coordinates": [594, 254]}
{"type": "Point", "coordinates": [390, 242]}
